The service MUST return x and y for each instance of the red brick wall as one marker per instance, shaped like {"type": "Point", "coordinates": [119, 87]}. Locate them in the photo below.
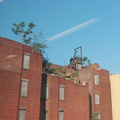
{"type": "Point", "coordinates": [106, 95]}
{"type": "Point", "coordinates": [103, 89]}
{"type": "Point", "coordinates": [10, 55]}
{"type": "Point", "coordinates": [75, 104]}
{"type": "Point", "coordinates": [11, 73]}
{"type": "Point", "coordinates": [9, 94]}
{"type": "Point", "coordinates": [32, 102]}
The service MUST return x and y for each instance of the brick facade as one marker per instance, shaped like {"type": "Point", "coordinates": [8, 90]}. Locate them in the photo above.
{"type": "Point", "coordinates": [43, 92]}
{"type": "Point", "coordinates": [11, 74]}
{"type": "Point", "coordinates": [86, 75]}
{"type": "Point", "coordinates": [76, 99]}
{"type": "Point", "coordinates": [103, 89]}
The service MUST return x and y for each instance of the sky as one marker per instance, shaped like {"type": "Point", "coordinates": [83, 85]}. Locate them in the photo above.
{"type": "Point", "coordinates": [92, 24]}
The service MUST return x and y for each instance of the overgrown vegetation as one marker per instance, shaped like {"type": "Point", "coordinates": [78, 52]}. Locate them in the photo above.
{"type": "Point", "coordinates": [73, 75]}
{"type": "Point", "coordinates": [94, 116]}
{"type": "Point", "coordinates": [86, 61]}
{"type": "Point", "coordinates": [28, 37]}
{"type": "Point", "coordinates": [61, 71]}
{"type": "Point", "coordinates": [36, 41]}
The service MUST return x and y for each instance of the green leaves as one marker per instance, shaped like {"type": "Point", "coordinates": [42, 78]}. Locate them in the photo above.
{"type": "Point", "coordinates": [26, 33]}
{"type": "Point", "coordinates": [73, 75]}
{"type": "Point", "coordinates": [18, 28]}
{"type": "Point", "coordinates": [33, 40]}
{"type": "Point", "coordinates": [94, 116]}
{"type": "Point", "coordinates": [86, 61]}
{"type": "Point", "coordinates": [46, 62]}
{"type": "Point", "coordinates": [31, 25]}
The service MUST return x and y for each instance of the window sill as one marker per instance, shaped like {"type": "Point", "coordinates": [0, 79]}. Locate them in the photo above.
{"type": "Point", "coordinates": [26, 69]}
{"type": "Point", "coordinates": [24, 96]}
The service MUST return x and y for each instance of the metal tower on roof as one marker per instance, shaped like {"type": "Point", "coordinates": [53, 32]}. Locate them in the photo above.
{"type": "Point", "coordinates": [76, 61]}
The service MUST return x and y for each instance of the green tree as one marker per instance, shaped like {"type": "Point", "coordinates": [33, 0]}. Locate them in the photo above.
{"type": "Point", "coordinates": [86, 61]}
{"type": "Point", "coordinates": [28, 37]}
{"type": "Point", "coordinates": [25, 31]}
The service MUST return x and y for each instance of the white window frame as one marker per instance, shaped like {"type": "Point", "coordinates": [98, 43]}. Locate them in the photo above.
{"type": "Point", "coordinates": [61, 92]}
{"type": "Point", "coordinates": [97, 98]}
{"type": "Point", "coordinates": [24, 87]}
{"type": "Point", "coordinates": [22, 113]}
{"type": "Point", "coordinates": [61, 114]}
{"type": "Point", "coordinates": [96, 79]}
{"type": "Point", "coordinates": [26, 61]}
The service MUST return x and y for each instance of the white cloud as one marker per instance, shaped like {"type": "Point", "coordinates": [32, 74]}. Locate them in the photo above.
{"type": "Point", "coordinates": [73, 29]}
{"type": "Point", "coordinates": [1, 0]}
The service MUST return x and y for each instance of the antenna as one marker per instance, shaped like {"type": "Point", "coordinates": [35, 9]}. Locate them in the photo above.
{"type": "Point", "coordinates": [75, 52]}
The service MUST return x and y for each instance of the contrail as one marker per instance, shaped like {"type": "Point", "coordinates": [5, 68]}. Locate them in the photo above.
{"type": "Point", "coordinates": [73, 29]}
{"type": "Point", "coordinates": [1, 0]}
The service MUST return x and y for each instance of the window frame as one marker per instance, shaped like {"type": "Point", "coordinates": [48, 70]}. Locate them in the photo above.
{"type": "Point", "coordinates": [61, 111]}
{"type": "Point", "coordinates": [22, 109]}
{"type": "Point", "coordinates": [96, 79]}
{"type": "Point", "coordinates": [97, 99]}
{"type": "Point", "coordinates": [22, 93]}
{"type": "Point", "coordinates": [26, 67]}
{"type": "Point", "coordinates": [45, 92]}
{"type": "Point", "coordinates": [61, 92]}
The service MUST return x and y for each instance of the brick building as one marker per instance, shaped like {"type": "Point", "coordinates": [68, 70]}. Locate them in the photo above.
{"type": "Point", "coordinates": [20, 81]}
{"type": "Point", "coordinates": [25, 96]}
{"type": "Point", "coordinates": [99, 89]}
{"type": "Point", "coordinates": [63, 99]}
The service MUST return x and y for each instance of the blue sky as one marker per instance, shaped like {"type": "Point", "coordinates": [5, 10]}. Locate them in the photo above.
{"type": "Point", "coordinates": [100, 39]}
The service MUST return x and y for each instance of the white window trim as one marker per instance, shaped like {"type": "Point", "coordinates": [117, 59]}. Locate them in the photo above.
{"type": "Point", "coordinates": [97, 100]}
{"type": "Point", "coordinates": [22, 109]}
{"type": "Point", "coordinates": [28, 54]}
{"type": "Point", "coordinates": [61, 111]}
{"type": "Point", "coordinates": [61, 85]}
{"type": "Point", "coordinates": [96, 81]}
{"type": "Point", "coordinates": [63, 96]}
{"type": "Point", "coordinates": [26, 80]}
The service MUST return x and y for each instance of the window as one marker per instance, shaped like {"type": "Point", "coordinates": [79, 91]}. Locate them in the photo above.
{"type": "Point", "coordinates": [97, 98]}
{"type": "Point", "coordinates": [98, 117]}
{"type": "Point", "coordinates": [61, 114]}
{"type": "Point", "coordinates": [22, 113]}
{"type": "Point", "coordinates": [26, 62]}
{"type": "Point", "coordinates": [61, 92]}
{"type": "Point", "coordinates": [96, 80]}
{"type": "Point", "coordinates": [24, 87]}
{"type": "Point", "coordinates": [45, 92]}
{"type": "Point", "coordinates": [44, 116]}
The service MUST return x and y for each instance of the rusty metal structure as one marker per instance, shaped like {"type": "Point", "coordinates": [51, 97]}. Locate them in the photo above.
{"type": "Point", "coordinates": [76, 61]}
